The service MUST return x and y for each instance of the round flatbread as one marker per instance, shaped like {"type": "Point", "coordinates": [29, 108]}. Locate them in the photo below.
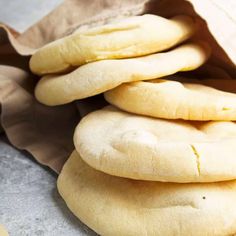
{"type": "Point", "coordinates": [139, 147]}
{"type": "Point", "coordinates": [3, 231]}
{"type": "Point", "coordinates": [100, 76]}
{"type": "Point", "coordinates": [131, 37]}
{"type": "Point", "coordinates": [118, 206]}
{"type": "Point", "coordinates": [184, 99]}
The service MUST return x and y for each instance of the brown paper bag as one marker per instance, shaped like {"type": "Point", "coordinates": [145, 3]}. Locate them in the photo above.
{"type": "Point", "coordinates": [46, 132]}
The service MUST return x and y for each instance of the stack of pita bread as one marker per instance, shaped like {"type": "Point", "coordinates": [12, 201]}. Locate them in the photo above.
{"type": "Point", "coordinates": [160, 160]}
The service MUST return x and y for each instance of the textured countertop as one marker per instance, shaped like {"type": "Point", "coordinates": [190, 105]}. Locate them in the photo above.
{"type": "Point", "coordinates": [29, 201]}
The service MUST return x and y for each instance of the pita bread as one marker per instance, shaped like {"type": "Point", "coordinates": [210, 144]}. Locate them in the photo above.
{"type": "Point", "coordinates": [131, 37]}
{"type": "Point", "coordinates": [3, 231]}
{"type": "Point", "coordinates": [100, 76]}
{"type": "Point", "coordinates": [118, 206]}
{"type": "Point", "coordinates": [188, 100]}
{"type": "Point", "coordinates": [139, 147]}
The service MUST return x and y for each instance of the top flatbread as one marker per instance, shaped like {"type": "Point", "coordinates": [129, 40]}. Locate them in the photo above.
{"type": "Point", "coordinates": [115, 206]}
{"type": "Point", "coordinates": [139, 147]}
{"type": "Point", "coordinates": [183, 99]}
{"type": "Point", "coordinates": [97, 77]}
{"type": "Point", "coordinates": [134, 36]}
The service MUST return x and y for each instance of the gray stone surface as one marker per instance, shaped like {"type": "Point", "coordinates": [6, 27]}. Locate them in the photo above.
{"type": "Point", "coordinates": [22, 14]}
{"type": "Point", "coordinates": [29, 202]}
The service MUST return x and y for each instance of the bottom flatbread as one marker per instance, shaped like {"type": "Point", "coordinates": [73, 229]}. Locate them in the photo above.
{"type": "Point", "coordinates": [118, 206]}
{"type": "Point", "coordinates": [3, 231]}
